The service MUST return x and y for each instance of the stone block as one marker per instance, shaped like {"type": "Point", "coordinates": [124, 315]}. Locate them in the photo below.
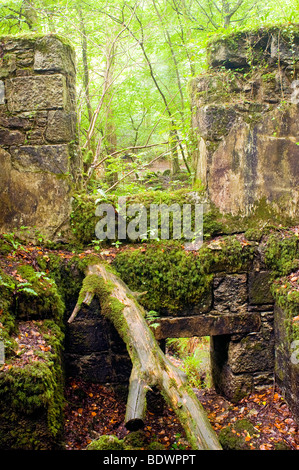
{"type": "Point", "coordinates": [95, 367]}
{"type": "Point", "coordinates": [33, 198]}
{"type": "Point", "coordinates": [215, 121]}
{"type": "Point", "coordinates": [228, 53]}
{"type": "Point", "coordinates": [36, 158]}
{"type": "Point", "coordinates": [259, 288]}
{"type": "Point", "coordinates": [255, 163]}
{"type": "Point", "coordinates": [5, 165]}
{"type": "Point", "coordinates": [230, 293]}
{"type": "Point", "coordinates": [122, 367]}
{"type": "Point", "coordinates": [207, 325]}
{"type": "Point", "coordinates": [282, 50]}
{"type": "Point", "coordinates": [21, 121]}
{"type": "Point", "coordinates": [8, 65]}
{"type": "Point", "coordinates": [52, 55]}
{"type": "Point", "coordinates": [61, 126]}
{"type": "Point", "coordinates": [252, 354]}
{"type": "Point", "coordinates": [86, 336]}
{"type": "Point", "coordinates": [11, 137]}
{"type": "Point", "coordinates": [35, 93]}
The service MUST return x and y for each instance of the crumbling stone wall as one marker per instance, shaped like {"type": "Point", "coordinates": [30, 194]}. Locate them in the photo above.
{"type": "Point", "coordinates": [239, 320]}
{"type": "Point", "coordinates": [94, 351]}
{"type": "Point", "coordinates": [245, 114]}
{"type": "Point", "coordinates": [38, 136]}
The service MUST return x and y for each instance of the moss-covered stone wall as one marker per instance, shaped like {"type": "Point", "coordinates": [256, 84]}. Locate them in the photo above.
{"type": "Point", "coordinates": [32, 377]}
{"type": "Point", "coordinates": [38, 136]}
{"type": "Point", "coordinates": [245, 110]}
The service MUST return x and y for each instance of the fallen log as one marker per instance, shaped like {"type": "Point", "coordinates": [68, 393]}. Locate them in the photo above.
{"type": "Point", "coordinates": [150, 366]}
{"type": "Point", "coordinates": [136, 403]}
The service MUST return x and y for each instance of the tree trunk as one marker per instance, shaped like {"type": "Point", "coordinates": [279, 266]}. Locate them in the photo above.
{"type": "Point", "coordinates": [150, 365]}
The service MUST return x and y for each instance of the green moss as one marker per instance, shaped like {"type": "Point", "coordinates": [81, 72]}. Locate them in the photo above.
{"type": "Point", "coordinates": [8, 324]}
{"type": "Point", "coordinates": [175, 279]}
{"type": "Point", "coordinates": [156, 446]}
{"type": "Point", "coordinates": [38, 296]}
{"type": "Point", "coordinates": [33, 37]}
{"type": "Point", "coordinates": [232, 437]}
{"type": "Point", "coordinates": [111, 307]}
{"type": "Point", "coordinates": [135, 440]}
{"type": "Point", "coordinates": [5, 247]}
{"type": "Point", "coordinates": [84, 220]}
{"type": "Point", "coordinates": [287, 298]}
{"type": "Point", "coordinates": [107, 443]}
{"type": "Point", "coordinates": [281, 253]}
{"type": "Point", "coordinates": [31, 398]}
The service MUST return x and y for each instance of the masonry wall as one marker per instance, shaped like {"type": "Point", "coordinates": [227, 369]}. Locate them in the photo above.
{"type": "Point", "coordinates": [239, 321]}
{"type": "Point", "coordinates": [38, 136]}
{"type": "Point", "coordinates": [245, 116]}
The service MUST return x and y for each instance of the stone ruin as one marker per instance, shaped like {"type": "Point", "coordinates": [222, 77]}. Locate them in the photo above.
{"type": "Point", "coordinates": [39, 155]}
{"type": "Point", "coordinates": [245, 114]}
{"type": "Point", "coordinates": [245, 117]}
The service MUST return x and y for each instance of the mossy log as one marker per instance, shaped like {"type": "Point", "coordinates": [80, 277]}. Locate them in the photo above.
{"type": "Point", "coordinates": [150, 366]}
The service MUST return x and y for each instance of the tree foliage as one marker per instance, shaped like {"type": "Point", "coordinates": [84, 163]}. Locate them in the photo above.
{"type": "Point", "coordinates": [135, 59]}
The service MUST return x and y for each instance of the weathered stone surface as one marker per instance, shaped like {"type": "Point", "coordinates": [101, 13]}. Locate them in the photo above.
{"type": "Point", "coordinates": [230, 54]}
{"type": "Point", "coordinates": [37, 158]}
{"type": "Point", "coordinates": [94, 350]}
{"type": "Point", "coordinates": [248, 127]}
{"type": "Point", "coordinates": [11, 137]}
{"type": "Point", "coordinates": [8, 65]}
{"type": "Point", "coordinates": [36, 92]}
{"type": "Point", "coordinates": [215, 121]}
{"type": "Point", "coordinates": [5, 165]}
{"type": "Point", "coordinates": [260, 288]}
{"type": "Point", "coordinates": [256, 163]}
{"type": "Point", "coordinates": [250, 47]}
{"type": "Point", "coordinates": [21, 122]}
{"type": "Point", "coordinates": [230, 293]}
{"type": "Point", "coordinates": [32, 198]}
{"type": "Point", "coordinates": [95, 367]}
{"type": "Point", "coordinates": [207, 325]}
{"type": "Point", "coordinates": [61, 126]}
{"type": "Point", "coordinates": [284, 50]}
{"type": "Point", "coordinates": [53, 55]}
{"type": "Point", "coordinates": [86, 336]}
{"type": "Point", "coordinates": [252, 354]}
{"type": "Point", "coordinates": [287, 359]}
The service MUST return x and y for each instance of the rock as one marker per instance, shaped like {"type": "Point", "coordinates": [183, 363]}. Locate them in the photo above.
{"type": "Point", "coordinates": [61, 126]}
{"type": "Point", "coordinates": [38, 133]}
{"type": "Point", "coordinates": [34, 93]}
{"type": "Point", "coordinates": [53, 55]}
{"type": "Point", "coordinates": [248, 127]}
{"type": "Point", "coordinates": [259, 288]}
{"type": "Point", "coordinates": [36, 158]}
{"type": "Point", "coordinates": [230, 293]}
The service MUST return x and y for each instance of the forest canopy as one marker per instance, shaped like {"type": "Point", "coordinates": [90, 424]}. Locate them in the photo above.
{"type": "Point", "coordinates": [135, 61]}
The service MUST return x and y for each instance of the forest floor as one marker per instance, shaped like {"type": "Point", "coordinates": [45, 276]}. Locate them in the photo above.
{"type": "Point", "coordinates": [93, 410]}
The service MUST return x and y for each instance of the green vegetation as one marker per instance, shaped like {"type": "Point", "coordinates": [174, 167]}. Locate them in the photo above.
{"type": "Point", "coordinates": [233, 437]}
{"type": "Point", "coordinates": [194, 354]}
{"type": "Point", "coordinates": [133, 441]}
{"type": "Point", "coordinates": [177, 280]}
{"type": "Point", "coordinates": [282, 253]}
{"type": "Point", "coordinates": [32, 397]}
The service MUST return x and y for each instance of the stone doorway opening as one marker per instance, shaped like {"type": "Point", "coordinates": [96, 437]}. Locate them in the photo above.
{"type": "Point", "coordinates": [192, 355]}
